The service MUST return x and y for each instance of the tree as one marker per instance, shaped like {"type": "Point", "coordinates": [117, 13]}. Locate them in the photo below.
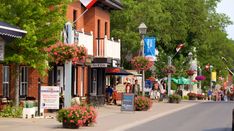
{"type": "Point", "coordinates": [43, 20]}
{"type": "Point", "coordinates": [192, 22]}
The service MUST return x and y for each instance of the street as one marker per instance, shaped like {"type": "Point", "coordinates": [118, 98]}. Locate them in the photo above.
{"type": "Point", "coordinates": [208, 116]}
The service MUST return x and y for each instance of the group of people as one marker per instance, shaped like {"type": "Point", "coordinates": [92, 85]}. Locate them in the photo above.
{"type": "Point", "coordinates": [218, 95]}
{"type": "Point", "coordinates": [158, 91]}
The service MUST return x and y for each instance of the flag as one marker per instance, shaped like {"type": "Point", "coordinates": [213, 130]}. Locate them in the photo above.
{"type": "Point", "coordinates": [179, 47]}
{"type": "Point", "coordinates": [88, 3]}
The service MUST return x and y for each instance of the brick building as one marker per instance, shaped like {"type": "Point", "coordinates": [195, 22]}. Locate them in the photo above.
{"type": "Point", "coordinates": [92, 30]}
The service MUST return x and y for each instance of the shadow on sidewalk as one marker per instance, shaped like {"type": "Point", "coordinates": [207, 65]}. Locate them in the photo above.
{"type": "Point", "coordinates": [219, 129]}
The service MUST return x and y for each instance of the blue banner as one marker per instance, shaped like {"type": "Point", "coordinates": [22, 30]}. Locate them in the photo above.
{"type": "Point", "coordinates": [149, 48]}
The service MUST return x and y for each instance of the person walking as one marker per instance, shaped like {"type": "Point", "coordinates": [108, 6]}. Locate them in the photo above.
{"type": "Point", "coordinates": [209, 94]}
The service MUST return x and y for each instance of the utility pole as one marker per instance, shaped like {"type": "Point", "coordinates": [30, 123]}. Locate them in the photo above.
{"type": "Point", "coordinates": [169, 77]}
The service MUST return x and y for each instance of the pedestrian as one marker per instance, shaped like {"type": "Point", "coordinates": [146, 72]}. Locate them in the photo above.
{"type": "Point", "coordinates": [128, 87]}
{"type": "Point", "coordinates": [209, 94]}
{"type": "Point", "coordinates": [136, 88]}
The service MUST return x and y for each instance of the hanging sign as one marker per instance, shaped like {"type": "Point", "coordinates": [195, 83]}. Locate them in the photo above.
{"type": "Point", "coordinates": [149, 48]}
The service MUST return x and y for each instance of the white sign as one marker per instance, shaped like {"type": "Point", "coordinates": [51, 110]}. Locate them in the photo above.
{"type": "Point", "coordinates": [49, 97]}
{"type": "Point", "coordinates": [1, 50]}
{"type": "Point", "coordinates": [98, 65]}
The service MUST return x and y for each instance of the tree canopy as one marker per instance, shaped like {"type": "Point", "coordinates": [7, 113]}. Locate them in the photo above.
{"type": "Point", "coordinates": [42, 19]}
{"type": "Point", "coordinates": [192, 22]}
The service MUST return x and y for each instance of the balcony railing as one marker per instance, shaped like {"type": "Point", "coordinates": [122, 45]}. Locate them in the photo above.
{"type": "Point", "coordinates": [84, 39]}
{"type": "Point", "coordinates": [108, 48]}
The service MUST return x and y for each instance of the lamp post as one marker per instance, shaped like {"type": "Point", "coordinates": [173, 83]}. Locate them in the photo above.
{"type": "Point", "coordinates": [190, 55]}
{"type": "Point", "coordinates": [211, 67]}
{"type": "Point", "coordinates": [142, 31]}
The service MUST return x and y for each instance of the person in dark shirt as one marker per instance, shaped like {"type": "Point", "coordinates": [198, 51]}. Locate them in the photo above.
{"type": "Point", "coordinates": [109, 92]}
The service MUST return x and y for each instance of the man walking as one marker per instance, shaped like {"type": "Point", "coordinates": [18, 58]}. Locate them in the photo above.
{"type": "Point", "coordinates": [136, 88]}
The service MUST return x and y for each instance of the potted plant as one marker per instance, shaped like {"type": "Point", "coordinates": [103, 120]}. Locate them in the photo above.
{"type": "Point", "coordinates": [169, 69]}
{"type": "Point", "coordinates": [174, 98]}
{"type": "Point", "coordinates": [200, 96]}
{"type": "Point", "coordinates": [76, 116]}
{"type": "Point", "coordinates": [60, 53]}
{"type": "Point", "coordinates": [192, 96]}
{"type": "Point", "coordinates": [142, 103]}
{"type": "Point", "coordinates": [200, 78]}
{"type": "Point", "coordinates": [190, 72]}
{"type": "Point", "coordinates": [142, 63]}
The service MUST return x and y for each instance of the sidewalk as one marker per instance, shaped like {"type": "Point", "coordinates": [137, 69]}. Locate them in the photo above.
{"type": "Point", "coordinates": [110, 118]}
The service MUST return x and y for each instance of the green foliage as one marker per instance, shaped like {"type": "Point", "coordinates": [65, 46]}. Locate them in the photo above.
{"type": "Point", "coordinates": [185, 97]}
{"type": "Point", "coordinates": [42, 19]}
{"type": "Point", "coordinates": [192, 22]}
{"type": "Point", "coordinates": [142, 103]}
{"type": "Point", "coordinates": [11, 111]}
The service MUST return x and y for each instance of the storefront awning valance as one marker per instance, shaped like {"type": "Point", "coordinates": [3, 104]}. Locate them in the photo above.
{"type": "Point", "coordinates": [117, 71]}
{"type": "Point", "coordinates": [8, 31]}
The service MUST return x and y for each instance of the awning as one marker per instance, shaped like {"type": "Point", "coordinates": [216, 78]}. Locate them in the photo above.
{"type": "Point", "coordinates": [7, 32]}
{"type": "Point", "coordinates": [116, 71]}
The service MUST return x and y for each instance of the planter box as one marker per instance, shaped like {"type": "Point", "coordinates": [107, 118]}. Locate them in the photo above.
{"type": "Point", "coordinates": [192, 97]}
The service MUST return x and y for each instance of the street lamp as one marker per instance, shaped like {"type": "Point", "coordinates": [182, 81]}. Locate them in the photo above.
{"type": "Point", "coordinates": [190, 55]}
{"type": "Point", "coordinates": [142, 31]}
{"type": "Point", "coordinates": [211, 67]}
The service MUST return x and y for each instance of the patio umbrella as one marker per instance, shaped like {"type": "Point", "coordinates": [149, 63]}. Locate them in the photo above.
{"type": "Point", "coordinates": [183, 81]}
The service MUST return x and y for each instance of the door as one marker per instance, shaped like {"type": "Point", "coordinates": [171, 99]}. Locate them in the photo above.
{"type": "Point", "coordinates": [60, 79]}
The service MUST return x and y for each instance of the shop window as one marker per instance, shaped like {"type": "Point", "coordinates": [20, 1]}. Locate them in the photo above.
{"type": "Point", "coordinates": [106, 28]}
{"type": "Point", "coordinates": [23, 81]}
{"type": "Point", "coordinates": [6, 78]}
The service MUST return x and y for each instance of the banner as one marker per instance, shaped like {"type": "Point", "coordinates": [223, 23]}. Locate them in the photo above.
{"type": "Point", "coordinates": [149, 48]}
{"type": "Point", "coordinates": [213, 76]}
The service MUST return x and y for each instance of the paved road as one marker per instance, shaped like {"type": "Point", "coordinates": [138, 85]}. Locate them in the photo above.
{"type": "Point", "coordinates": [209, 116]}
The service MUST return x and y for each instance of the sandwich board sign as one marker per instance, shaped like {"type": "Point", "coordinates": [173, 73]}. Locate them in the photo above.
{"type": "Point", "coordinates": [127, 102]}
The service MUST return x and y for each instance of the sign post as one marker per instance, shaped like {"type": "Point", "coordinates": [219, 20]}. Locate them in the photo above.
{"type": "Point", "coordinates": [128, 102]}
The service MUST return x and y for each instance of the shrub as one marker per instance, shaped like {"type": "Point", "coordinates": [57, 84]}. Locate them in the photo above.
{"type": "Point", "coordinates": [11, 111]}
{"type": "Point", "coordinates": [80, 115]}
{"type": "Point", "coordinates": [142, 103]}
{"type": "Point", "coordinates": [190, 94]}
{"type": "Point", "coordinates": [175, 98]}
{"type": "Point", "coordinates": [185, 97]}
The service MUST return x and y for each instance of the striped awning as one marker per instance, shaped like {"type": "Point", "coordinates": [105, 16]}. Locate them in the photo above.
{"type": "Point", "coordinates": [8, 31]}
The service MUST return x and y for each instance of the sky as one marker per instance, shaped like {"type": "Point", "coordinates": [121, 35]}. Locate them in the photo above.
{"type": "Point", "coordinates": [227, 7]}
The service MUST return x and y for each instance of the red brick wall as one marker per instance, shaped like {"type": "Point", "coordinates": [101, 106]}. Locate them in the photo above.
{"type": "Point", "coordinates": [12, 82]}
{"type": "Point", "coordinates": [86, 81]}
{"type": "Point", "coordinates": [33, 76]}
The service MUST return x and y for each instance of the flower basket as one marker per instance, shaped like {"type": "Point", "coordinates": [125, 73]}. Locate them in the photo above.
{"type": "Point", "coordinates": [77, 116]}
{"type": "Point", "coordinates": [174, 98]}
{"type": "Point", "coordinates": [60, 53]}
{"type": "Point", "coordinates": [142, 103]}
{"type": "Point", "coordinates": [200, 78]}
{"type": "Point", "coordinates": [190, 72]}
{"type": "Point", "coordinates": [200, 96]}
{"type": "Point", "coordinates": [192, 96]}
{"type": "Point", "coordinates": [169, 69]}
{"type": "Point", "coordinates": [142, 63]}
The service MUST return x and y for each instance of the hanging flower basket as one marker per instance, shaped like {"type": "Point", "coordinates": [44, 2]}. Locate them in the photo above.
{"type": "Point", "coordinates": [142, 63]}
{"type": "Point", "coordinates": [60, 53]}
{"type": "Point", "coordinates": [190, 72]}
{"type": "Point", "coordinates": [200, 78]}
{"type": "Point", "coordinates": [169, 69]}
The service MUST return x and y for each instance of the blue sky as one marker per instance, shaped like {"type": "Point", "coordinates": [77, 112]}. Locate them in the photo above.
{"type": "Point", "coordinates": [227, 7]}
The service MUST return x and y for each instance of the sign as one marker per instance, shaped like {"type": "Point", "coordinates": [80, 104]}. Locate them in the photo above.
{"type": "Point", "coordinates": [120, 88]}
{"type": "Point", "coordinates": [1, 50]}
{"type": "Point", "coordinates": [49, 97]}
{"type": "Point", "coordinates": [127, 102]}
{"type": "Point", "coordinates": [148, 86]}
{"type": "Point", "coordinates": [149, 48]}
{"type": "Point", "coordinates": [98, 65]}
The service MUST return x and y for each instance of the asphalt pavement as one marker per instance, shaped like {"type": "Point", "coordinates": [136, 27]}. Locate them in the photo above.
{"type": "Point", "coordinates": [208, 116]}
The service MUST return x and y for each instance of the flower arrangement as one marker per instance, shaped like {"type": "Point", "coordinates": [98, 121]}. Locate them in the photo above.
{"type": "Point", "coordinates": [190, 72]}
{"type": "Point", "coordinates": [142, 63]}
{"type": "Point", "coordinates": [61, 52]}
{"type": "Point", "coordinates": [169, 69]}
{"type": "Point", "coordinates": [76, 116]}
{"type": "Point", "coordinates": [192, 96]}
{"type": "Point", "coordinates": [200, 78]}
{"type": "Point", "coordinates": [174, 98]}
{"type": "Point", "coordinates": [200, 96]}
{"type": "Point", "coordinates": [142, 103]}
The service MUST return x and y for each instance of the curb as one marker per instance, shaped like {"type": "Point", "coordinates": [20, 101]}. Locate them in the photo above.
{"type": "Point", "coordinates": [124, 127]}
